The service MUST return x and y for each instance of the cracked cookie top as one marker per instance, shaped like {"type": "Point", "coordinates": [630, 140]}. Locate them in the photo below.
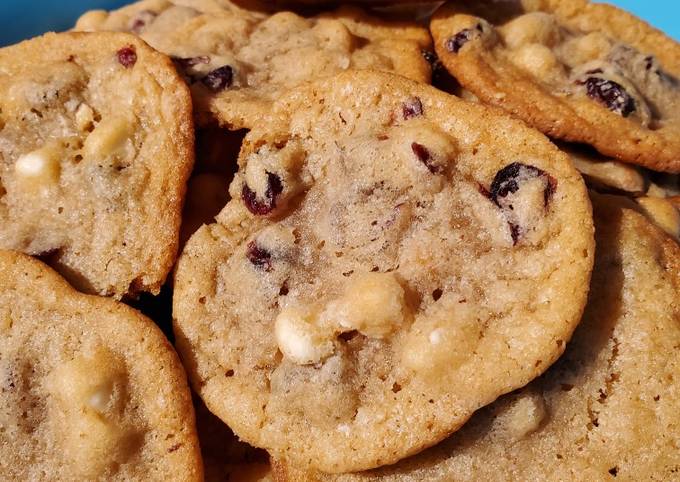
{"type": "Point", "coordinates": [577, 71]}
{"type": "Point", "coordinates": [238, 61]}
{"type": "Point", "coordinates": [89, 388]}
{"type": "Point", "coordinates": [608, 408]}
{"type": "Point", "coordinates": [392, 259]}
{"type": "Point", "coordinates": [96, 145]}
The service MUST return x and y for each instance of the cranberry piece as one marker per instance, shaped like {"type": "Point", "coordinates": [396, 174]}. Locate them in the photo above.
{"type": "Point", "coordinates": [127, 56]}
{"type": "Point", "coordinates": [266, 206]}
{"type": "Point", "coordinates": [610, 94]}
{"type": "Point", "coordinates": [141, 20]}
{"type": "Point", "coordinates": [412, 108]}
{"type": "Point", "coordinates": [424, 156]}
{"type": "Point", "coordinates": [259, 257]}
{"type": "Point", "coordinates": [455, 43]}
{"type": "Point", "coordinates": [219, 79]}
{"type": "Point", "coordinates": [509, 180]}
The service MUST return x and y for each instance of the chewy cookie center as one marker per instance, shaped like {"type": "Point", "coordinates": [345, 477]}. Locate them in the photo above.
{"type": "Point", "coordinates": [375, 263]}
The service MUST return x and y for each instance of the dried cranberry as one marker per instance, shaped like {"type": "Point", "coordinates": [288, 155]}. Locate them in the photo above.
{"type": "Point", "coordinates": [127, 56]}
{"type": "Point", "coordinates": [455, 43]}
{"type": "Point", "coordinates": [219, 79]}
{"type": "Point", "coordinates": [424, 156]}
{"type": "Point", "coordinates": [259, 257]}
{"type": "Point", "coordinates": [141, 20]}
{"type": "Point", "coordinates": [509, 180]}
{"type": "Point", "coordinates": [610, 94]}
{"type": "Point", "coordinates": [263, 207]}
{"type": "Point", "coordinates": [412, 108]}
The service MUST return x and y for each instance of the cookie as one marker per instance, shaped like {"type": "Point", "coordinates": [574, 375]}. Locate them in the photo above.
{"type": "Point", "coordinates": [608, 408]}
{"type": "Point", "coordinates": [96, 145]}
{"type": "Point", "coordinates": [664, 212]}
{"type": "Point", "coordinates": [239, 61]}
{"type": "Point", "coordinates": [90, 388]}
{"type": "Point", "coordinates": [392, 259]}
{"type": "Point", "coordinates": [575, 70]}
{"type": "Point", "coordinates": [605, 173]}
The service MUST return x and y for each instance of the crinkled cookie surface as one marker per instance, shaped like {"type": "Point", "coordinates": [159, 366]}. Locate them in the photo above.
{"type": "Point", "coordinates": [575, 70]}
{"type": "Point", "coordinates": [238, 61]}
{"type": "Point", "coordinates": [392, 259]}
{"type": "Point", "coordinates": [608, 408]}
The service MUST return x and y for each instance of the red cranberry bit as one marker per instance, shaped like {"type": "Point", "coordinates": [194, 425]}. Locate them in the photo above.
{"type": "Point", "coordinates": [127, 56]}
{"type": "Point", "coordinates": [266, 206]}
{"type": "Point", "coordinates": [424, 156]}
{"type": "Point", "coordinates": [455, 43]}
{"type": "Point", "coordinates": [219, 79]}
{"type": "Point", "coordinates": [610, 94]}
{"type": "Point", "coordinates": [509, 180]}
{"type": "Point", "coordinates": [412, 108]}
{"type": "Point", "coordinates": [141, 20]}
{"type": "Point", "coordinates": [259, 257]}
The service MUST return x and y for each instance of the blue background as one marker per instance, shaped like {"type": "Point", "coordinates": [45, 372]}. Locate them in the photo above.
{"type": "Point", "coordinates": [21, 19]}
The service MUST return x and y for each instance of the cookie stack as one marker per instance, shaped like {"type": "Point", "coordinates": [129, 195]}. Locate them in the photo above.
{"type": "Point", "coordinates": [404, 245]}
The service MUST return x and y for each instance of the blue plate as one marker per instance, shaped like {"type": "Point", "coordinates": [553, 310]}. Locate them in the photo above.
{"type": "Point", "coordinates": [23, 19]}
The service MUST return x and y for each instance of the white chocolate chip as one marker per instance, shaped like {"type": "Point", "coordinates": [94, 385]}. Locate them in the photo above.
{"type": "Point", "coordinates": [39, 168]}
{"type": "Point", "coordinates": [373, 304]}
{"type": "Point", "coordinates": [299, 339]}
{"type": "Point", "coordinates": [99, 400]}
{"type": "Point", "coordinates": [436, 336]}
{"type": "Point", "coordinates": [538, 60]}
{"type": "Point", "coordinates": [534, 27]}
{"type": "Point", "coordinates": [111, 137]}
{"type": "Point", "coordinates": [521, 417]}
{"type": "Point", "coordinates": [86, 400]}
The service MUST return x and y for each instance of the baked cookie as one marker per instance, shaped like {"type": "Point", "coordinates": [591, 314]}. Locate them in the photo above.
{"type": "Point", "coordinates": [96, 145]}
{"type": "Point", "coordinates": [239, 61]}
{"type": "Point", "coordinates": [90, 389]}
{"type": "Point", "coordinates": [608, 408]}
{"type": "Point", "coordinates": [605, 173]}
{"type": "Point", "coordinates": [578, 71]}
{"type": "Point", "coordinates": [392, 259]}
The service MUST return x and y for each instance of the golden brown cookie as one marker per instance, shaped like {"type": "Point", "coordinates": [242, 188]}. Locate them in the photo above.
{"type": "Point", "coordinates": [96, 145]}
{"type": "Point", "coordinates": [575, 70]}
{"type": "Point", "coordinates": [89, 388]}
{"type": "Point", "coordinates": [392, 259]}
{"type": "Point", "coordinates": [608, 409]}
{"type": "Point", "coordinates": [605, 173]}
{"type": "Point", "coordinates": [238, 61]}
